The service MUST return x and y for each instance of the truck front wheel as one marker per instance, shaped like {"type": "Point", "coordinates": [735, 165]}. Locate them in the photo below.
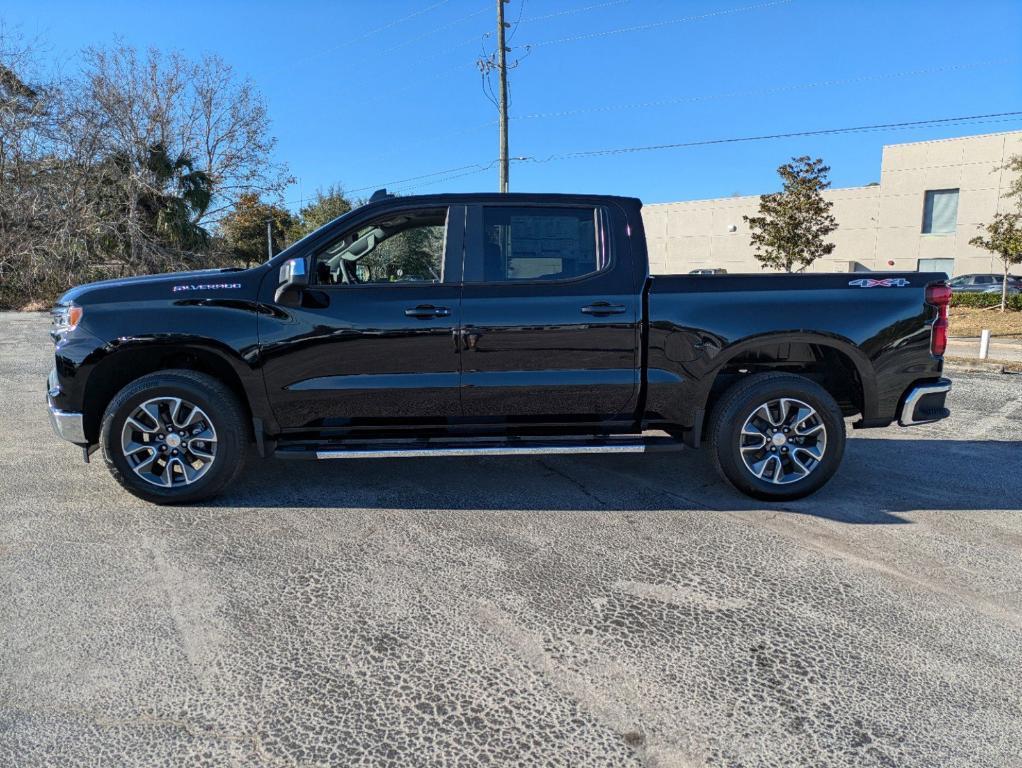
{"type": "Point", "coordinates": [777, 436]}
{"type": "Point", "coordinates": [174, 436]}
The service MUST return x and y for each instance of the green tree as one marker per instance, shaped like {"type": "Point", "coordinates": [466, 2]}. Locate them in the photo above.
{"type": "Point", "coordinates": [326, 207]}
{"type": "Point", "coordinates": [1004, 238]}
{"type": "Point", "coordinates": [244, 228]}
{"type": "Point", "coordinates": [793, 224]}
{"type": "Point", "coordinates": [176, 199]}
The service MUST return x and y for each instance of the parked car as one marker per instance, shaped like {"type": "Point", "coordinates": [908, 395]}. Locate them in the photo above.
{"type": "Point", "coordinates": [715, 271]}
{"type": "Point", "coordinates": [985, 283]}
{"type": "Point", "coordinates": [478, 324]}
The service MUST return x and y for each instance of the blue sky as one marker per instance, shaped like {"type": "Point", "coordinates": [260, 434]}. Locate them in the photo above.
{"type": "Point", "coordinates": [363, 93]}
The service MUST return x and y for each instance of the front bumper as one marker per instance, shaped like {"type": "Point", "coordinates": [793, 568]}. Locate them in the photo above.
{"type": "Point", "coordinates": [67, 424]}
{"type": "Point", "coordinates": [70, 426]}
{"type": "Point", "coordinates": [924, 403]}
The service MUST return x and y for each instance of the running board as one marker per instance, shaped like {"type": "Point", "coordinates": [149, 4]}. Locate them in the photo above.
{"type": "Point", "coordinates": [392, 449]}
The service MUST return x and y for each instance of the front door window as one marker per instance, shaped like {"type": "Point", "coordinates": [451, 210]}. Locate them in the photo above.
{"type": "Point", "coordinates": [406, 247]}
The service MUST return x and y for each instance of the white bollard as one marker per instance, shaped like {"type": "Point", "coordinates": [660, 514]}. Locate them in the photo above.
{"type": "Point", "coordinates": [984, 344]}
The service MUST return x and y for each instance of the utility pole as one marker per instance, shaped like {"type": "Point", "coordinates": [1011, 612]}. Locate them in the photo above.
{"type": "Point", "coordinates": [502, 69]}
{"type": "Point", "coordinates": [269, 237]}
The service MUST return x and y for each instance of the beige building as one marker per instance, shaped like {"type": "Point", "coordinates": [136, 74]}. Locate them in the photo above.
{"type": "Point", "coordinates": [933, 197]}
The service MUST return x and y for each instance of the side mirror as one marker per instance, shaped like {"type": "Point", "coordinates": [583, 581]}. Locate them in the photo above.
{"type": "Point", "coordinates": [294, 277]}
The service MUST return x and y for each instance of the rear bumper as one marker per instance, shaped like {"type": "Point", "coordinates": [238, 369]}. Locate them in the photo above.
{"type": "Point", "coordinates": [924, 403]}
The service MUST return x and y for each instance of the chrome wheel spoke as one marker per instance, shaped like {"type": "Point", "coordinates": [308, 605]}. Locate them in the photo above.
{"type": "Point", "coordinates": [131, 448]}
{"type": "Point", "coordinates": [766, 414]}
{"type": "Point", "coordinates": [205, 453]}
{"type": "Point", "coordinates": [771, 462]}
{"type": "Point", "coordinates": [782, 441]}
{"type": "Point", "coordinates": [802, 468]}
{"type": "Point", "coordinates": [168, 441]}
{"type": "Point", "coordinates": [174, 407]}
{"type": "Point", "coordinates": [144, 429]}
{"type": "Point", "coordinates": [802, 412]}
{"type": "Point", "coordinates": [802, 430]}
{"type": "Point", "coordinates": [751, 432]}
{"type": "Point", "coordinates": [145, 470]}
{"type": "Point", "coordinates": [784, 406]}
{"type": "Point", "coordinates": [815, 452]}
{"type": "Point", "coordinates": [152, 410]}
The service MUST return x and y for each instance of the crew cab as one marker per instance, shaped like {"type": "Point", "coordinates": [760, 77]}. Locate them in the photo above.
{"type": "Point", "coordinates": [478, 324]}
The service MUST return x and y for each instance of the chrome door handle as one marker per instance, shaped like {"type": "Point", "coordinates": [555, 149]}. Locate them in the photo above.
{"type": "Point", "coordinates": [604, 308]}
{"type": "Point", "coordinates": [426, 311]}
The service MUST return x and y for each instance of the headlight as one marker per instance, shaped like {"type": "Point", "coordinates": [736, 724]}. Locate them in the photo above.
{"type": "Point", "coordinates": [65, 319]}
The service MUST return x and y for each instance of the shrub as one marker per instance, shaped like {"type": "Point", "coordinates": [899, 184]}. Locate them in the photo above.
{"type": "Point", "coordinates": [983, 300]}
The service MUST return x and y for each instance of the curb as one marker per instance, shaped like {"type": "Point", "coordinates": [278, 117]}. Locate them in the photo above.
{"type": "Point", "coordinates": [975, 365]}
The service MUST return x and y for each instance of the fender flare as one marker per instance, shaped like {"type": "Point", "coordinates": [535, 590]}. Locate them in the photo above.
{"type": "Point", "coordinates": [863, 366]}
{"type": "Point", "coordinates": [249, 377]}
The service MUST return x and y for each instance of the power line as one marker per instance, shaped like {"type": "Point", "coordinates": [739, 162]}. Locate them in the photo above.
{"type": "Point", "coordinates": [467, 170]}
{"type": "Point", "coordinates": [407, 188]}
{"type": "Point", "coordinates": [824, 132]}
{"type": "Point", "coordinates": [370, 33]}
{"type": "Point", "coordinates": [659, 24]}
{"type": "Point", "coordinates": [382, 185]}
{"type": "Point", "coordinates": [571, 11]}
{"type": "Point", "coordinates": [759, 91]}
{"type": "Point", "coordinates": [420, 140]}
{"type": "Point", "coordinates": [518, 22]}
{"type": "Point", "coordinates": [591, 35]}
{"type": "Point", "coordinates": [434, 31]}
{"type": "Point", "coordinates": [472, 41]}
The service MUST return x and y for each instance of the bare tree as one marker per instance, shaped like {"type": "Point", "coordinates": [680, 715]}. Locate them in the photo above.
{"type": "Point", "coordinates": [131, 163]}
{"type": "Point", "coordinates": [197, 113]}
{"type": "Point", "coordinates": [231, 136]}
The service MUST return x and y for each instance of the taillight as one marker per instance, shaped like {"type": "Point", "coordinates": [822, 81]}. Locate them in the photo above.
{"type": "Point", "coordinates": [939, 295]}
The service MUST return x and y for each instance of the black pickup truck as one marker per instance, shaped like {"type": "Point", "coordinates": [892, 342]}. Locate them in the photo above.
{"type": "Point", "coordinates": [480, 324]}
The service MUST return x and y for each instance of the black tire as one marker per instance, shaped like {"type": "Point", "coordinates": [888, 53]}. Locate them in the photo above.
{"type": "Point", "coordinates": [207, 393]}
{"type": "Point", "coordinates": [740, 402]}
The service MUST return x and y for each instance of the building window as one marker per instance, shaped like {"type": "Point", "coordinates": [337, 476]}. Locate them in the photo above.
{"type": "Point", "coordinates": [940, 211]}
{"type": "Point", "coordinates": [947, 266]}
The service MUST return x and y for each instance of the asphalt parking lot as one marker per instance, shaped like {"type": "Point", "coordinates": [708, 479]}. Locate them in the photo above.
{"type": "Point", "coordinates": [602, 610]}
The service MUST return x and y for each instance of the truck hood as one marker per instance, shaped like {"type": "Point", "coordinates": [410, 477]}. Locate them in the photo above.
{"type": "Point", "coordinates": [182, 284]}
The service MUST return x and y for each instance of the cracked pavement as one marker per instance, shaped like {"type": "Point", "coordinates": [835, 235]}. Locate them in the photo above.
{"type": "Point", "coordinates": [592, 610]}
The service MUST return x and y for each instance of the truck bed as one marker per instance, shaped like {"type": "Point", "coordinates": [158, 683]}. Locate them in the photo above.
{"type": "Point", "coordinates": [870, 327]}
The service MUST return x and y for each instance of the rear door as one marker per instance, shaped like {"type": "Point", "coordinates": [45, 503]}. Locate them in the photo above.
{"type": "Point", "coordinates": [550, 318]}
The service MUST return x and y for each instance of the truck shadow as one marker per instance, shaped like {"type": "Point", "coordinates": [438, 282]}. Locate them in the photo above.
{"type": "Point", "coordinates": [879, 478]}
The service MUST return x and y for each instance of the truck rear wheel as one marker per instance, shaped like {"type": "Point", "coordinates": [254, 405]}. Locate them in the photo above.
{"type": "Point", "coordinates": [174, 437]}
{"type": "Point", "coordinates": [777, 436]}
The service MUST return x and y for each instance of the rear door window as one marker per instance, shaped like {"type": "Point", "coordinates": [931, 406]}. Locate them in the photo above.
{"type": "Point", "coordinates": [522, 243]}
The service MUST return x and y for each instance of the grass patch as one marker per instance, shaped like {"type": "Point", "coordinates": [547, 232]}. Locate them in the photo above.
{"type": "Point", "coordinates": [969, 321]}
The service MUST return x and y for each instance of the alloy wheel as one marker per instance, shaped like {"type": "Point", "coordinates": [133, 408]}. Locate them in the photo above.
{"type": "Point", "coordinates": [168, 441]}
{"type": "Point", "coordinates": [783, 441]}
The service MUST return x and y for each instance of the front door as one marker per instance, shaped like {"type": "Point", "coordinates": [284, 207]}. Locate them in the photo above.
{"type": "Point", "coordinates": [374, 343]}
{"type": "Point", "coordinates": [550, 316]}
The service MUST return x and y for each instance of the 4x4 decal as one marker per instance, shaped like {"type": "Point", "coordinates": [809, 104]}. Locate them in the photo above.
{"type": "Point", "coordinates": [887, 282]}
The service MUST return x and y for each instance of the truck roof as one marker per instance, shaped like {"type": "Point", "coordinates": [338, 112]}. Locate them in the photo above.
{"type": "Point", "coordinates": [381, 196]}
